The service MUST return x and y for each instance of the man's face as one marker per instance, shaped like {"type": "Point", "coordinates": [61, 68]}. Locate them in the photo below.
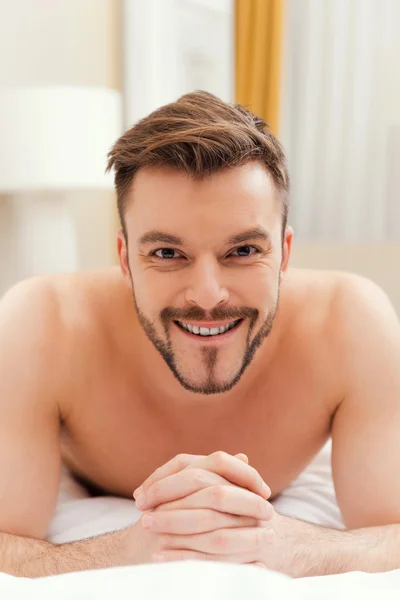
{"type": "Point", "coordinates": [202, 256]}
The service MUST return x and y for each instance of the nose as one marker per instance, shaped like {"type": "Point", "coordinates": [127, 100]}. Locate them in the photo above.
{"type": "Point", "coordinates": [205, 289]}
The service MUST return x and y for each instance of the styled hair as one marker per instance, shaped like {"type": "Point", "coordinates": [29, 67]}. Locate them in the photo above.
{"type": "Point", "coordinates": [198, 134]}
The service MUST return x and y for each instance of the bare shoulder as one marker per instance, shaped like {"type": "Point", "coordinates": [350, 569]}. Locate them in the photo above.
{"type": "Point", "coordinates": [339, 297]}
{"type": "Point", "coordinates": [30, 309]}
{"type": "Point", "coordinates": [365, 328]}
{"type": "Point", "coordinates": [30, 336]}
{"type": "Point", "coordinates": [309, 297]}
{"type": "Point", "coordinates": [53, 300]}
{"type": "Point", "coordinates": [47, 321]}
{"type": "Point", "coordinates": [359, 307]}
{"type": "Point", "coordinates": [57, 296]}
{"type": "Point", "coordinates": [347, 315]}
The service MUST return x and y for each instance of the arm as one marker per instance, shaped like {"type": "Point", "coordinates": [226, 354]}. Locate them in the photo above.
{"type": "Point", "coordinates": [29, 557]}
{"type": "Point", "coordinates": [302, 549]}
{"type": "Point", "coordinates": [33, 348]}
{"type": "Point", "coordinates": [365, 446]}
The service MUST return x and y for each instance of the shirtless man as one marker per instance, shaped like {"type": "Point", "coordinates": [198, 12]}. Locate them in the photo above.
{"type": "Point", "coordinates": [130, 375]}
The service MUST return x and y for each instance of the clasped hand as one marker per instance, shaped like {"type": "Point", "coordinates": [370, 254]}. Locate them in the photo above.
{"type": "Point", "coordinates": [207, 508]}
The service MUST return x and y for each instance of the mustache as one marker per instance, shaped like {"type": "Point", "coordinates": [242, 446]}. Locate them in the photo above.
{"type": "Point", "coordinates": [218, 313]}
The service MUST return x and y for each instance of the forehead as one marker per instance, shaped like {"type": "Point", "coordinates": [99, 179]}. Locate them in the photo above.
{"type": "Point", "coordinates": [233, 199]}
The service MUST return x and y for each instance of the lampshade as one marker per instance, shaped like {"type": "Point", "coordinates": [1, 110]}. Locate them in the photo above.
{"type": "Point", "coordinates": [57, 138]}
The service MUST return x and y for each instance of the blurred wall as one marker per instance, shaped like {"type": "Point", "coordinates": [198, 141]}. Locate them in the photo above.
{"type": "Point", "coordinates": [62, 42]}
{"type": "Point", "coordinates": [379, 262]}
{"type": "Point", "coordinates": [57, 42]}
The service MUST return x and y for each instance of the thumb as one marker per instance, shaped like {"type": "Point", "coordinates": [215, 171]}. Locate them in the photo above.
{"type": "Point", "coordinates": [243, 457]}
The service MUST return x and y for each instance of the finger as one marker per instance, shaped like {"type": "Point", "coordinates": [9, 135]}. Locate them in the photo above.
{"type": "Point", "coordinates": [225, 499]}
{"type": "Point", "coordinates": [178, 486]}
{"type": "Point", "coordinates": [185, 522]}
{"type": "Point", "coordinates": [197, 475]}
{"type": "Point", "coordinates": [223, 541]}
{"type": "Point", "coordinates": [243, 457]}
{"type": "Point", "coordinates": [173, 555]}
{"type": "Point", "coordinates": [176, 464]}
{"type": "Point", "coordinates": [235, 470]}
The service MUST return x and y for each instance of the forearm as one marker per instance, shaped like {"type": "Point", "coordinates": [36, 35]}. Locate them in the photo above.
{"type": "Point", "coordinates": [313, 550]}
{"type": "Point", "coordinates": [26, 557]}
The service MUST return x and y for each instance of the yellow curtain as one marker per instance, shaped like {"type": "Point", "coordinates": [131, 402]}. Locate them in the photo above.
{"type": "Point", "coordinates": [258, 49]}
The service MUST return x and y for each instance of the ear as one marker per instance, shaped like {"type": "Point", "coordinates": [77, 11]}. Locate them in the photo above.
{"type": "Point", "coordinates": [286, 250]}
{"type": "Point", "coordinates": [122, 249]}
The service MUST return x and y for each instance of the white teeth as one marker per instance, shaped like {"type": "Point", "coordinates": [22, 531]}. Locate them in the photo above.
{"type": "Point", "coordinates": [206, 330]}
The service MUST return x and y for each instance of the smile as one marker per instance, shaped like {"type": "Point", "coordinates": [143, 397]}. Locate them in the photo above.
{"type": "Point", "coordinates": [208, 331]}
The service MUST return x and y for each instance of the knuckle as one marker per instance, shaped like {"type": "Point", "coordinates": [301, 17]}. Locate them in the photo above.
{"type": "Point", "coordinates": [220, 457]}
{"type": "Point", "coordinates": [183, 460]}
{"type": "Point", "coordinates": [219, 541]}
{"type": "Point", "coordinates": [218, 493]}
{"type": "Point", "coordinates": [213, 517]}
{"type": "Point", "coordinates": [198, 476]}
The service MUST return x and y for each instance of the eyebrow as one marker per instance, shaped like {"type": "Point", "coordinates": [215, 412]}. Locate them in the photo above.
{"type": "Point", "coordinates": [256, 233]}
{"type": "Point", "coordinates": [155, 236]}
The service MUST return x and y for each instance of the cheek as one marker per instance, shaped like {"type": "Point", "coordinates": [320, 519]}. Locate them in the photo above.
{"type": "Point", "coordinates": [152, 290]}
{"type": "Point", "coordinates": [260, 289]}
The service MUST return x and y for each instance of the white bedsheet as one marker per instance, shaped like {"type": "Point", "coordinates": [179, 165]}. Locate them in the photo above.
{"type": "Point", "coordinates": [311, 497]}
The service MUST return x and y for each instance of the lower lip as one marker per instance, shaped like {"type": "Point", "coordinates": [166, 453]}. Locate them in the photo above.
{"type": "Point", "coordinates": [213, 339]}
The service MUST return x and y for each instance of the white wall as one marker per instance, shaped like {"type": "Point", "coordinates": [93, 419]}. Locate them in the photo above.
{"type": "Point", "coordinates": [59, 42]}
{"type": "Point", "coordinates": [69, 42]}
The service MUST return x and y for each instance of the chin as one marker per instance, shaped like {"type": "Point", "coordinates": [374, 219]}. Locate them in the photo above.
{"type": "Point", "coordinates": [208, 386]}
{"type": "Point", "coordinates": [207, 389]}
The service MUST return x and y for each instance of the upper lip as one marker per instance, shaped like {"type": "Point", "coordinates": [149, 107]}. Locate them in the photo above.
{"type": "Point", "coordinates": [208, 324]}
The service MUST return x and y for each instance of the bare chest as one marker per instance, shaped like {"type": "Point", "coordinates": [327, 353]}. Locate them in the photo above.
{"type": "Point", "coordinates": [113, 443]}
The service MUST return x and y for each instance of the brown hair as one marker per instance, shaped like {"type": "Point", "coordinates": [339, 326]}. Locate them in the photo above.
{"type": "Point", "coordinates": [198, 134]}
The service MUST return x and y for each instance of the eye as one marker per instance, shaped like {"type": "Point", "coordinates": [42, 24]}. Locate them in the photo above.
{"type": "Point", "coordinates": [245, 251]}
{"type": "Point", "coordinates": [165, 253]}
